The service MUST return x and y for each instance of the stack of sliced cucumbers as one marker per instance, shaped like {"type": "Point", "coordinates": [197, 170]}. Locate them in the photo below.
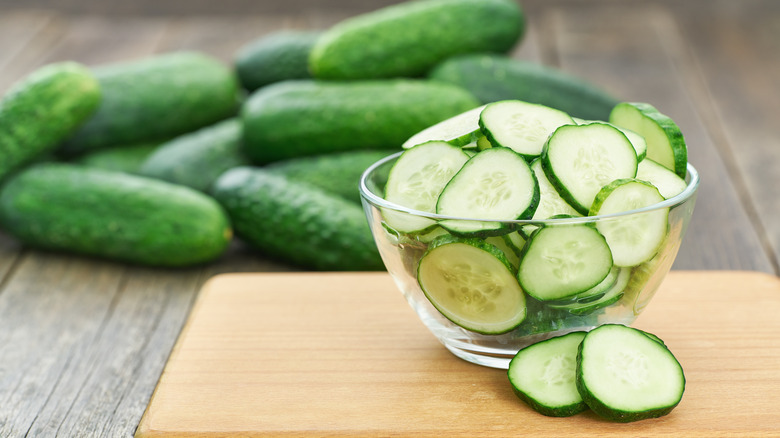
{"type": "Point", "coordinates": [511, 160]}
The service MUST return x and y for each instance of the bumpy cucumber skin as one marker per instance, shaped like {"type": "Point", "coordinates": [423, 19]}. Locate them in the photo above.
{"type": "Point", "coordinates": [406, 40]}
{"type": "Point", "coordinates": [492, 78]}
{"type": "Point", "coordinates": [113, 215]}
{"type": "Point", "coordinates": [298, 118]}
{"type": "Point", "coordinates": [121, 158]}
{"type": "Point", "coordinates": [275, 57]}
{"type": "Point", "coordinates": [42, 109]}
{"type": "Point", "coordinates": [297, 222]}
{"type": "Point", "coordinates": [560, 411]}
{"type": "Point", "coordinates": [612, 414]}
{"type": "Point", "coordinates": [156, 98]}
{"type": "Point", "coordinates": [198, 158]}
{"type": "Point", "coordinates": [338, 173]}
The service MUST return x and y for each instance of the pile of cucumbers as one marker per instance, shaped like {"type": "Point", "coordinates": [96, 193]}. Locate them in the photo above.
{"type": "Point", "coordinates": [164, 161]}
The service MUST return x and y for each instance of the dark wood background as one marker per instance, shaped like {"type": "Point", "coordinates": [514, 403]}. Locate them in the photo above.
{"type": "Point", "coordinates": [83, 341]}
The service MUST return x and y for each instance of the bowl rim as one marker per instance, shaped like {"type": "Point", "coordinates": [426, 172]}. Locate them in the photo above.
{"type": "Point", "coordinates": [379, 202]}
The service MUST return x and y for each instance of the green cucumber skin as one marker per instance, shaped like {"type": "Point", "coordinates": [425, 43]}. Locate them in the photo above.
{"type": "Point", "coordinates": [113, 215]}
{"type": "Point", "coordinates": [126, 159]}
{"type": "Point", "coordinates": [45, 107]}
{"type": "Point", "coordinates": [198, 158]}
{"type": "Point", "coordinates": [408, 39]}
{"type": "Point", "coordinates": [275, 57]}
{"type": "Point", "coordinates": [297, 222]}
{"type": "Point", "coordinates": [338, 173]}
{"type": "Point", "coordinates": [306, 117]}
{"type": "Point", "coordinates": [607, 412]}
{"type": "Point", "coordinates": [156, 98]}
{"type": "Point", "coordinates": [492, 78]}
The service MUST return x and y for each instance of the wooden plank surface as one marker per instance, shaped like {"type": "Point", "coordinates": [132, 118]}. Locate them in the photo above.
{"type": "Point", "coordinates": [352, 360]}
{"type": "Point", "coordinates": [84, 341]}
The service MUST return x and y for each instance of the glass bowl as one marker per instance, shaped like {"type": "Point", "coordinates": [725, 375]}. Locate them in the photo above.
{"type": "Point", "coordinates": [631, 290]}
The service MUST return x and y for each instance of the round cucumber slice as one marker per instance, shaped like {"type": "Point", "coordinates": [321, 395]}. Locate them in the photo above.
{"type": "Point", "coordinates": [459, 130]}
{"type": "Point", "coordinates": [544, 376]}
{"type": "Point", "coordinates": [472, 284]}
{"type": "Point", "coordinates": [665, 142]}
{"type": "Point", "coordinates": [666, 181]}
{"type": "Point", "coordinates": [416, 180]}
{"type": "Point", "coordinates": [633, 238]}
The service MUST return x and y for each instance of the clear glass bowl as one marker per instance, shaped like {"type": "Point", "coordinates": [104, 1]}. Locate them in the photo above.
{"type": "Point", "coordinates": [401, 254]}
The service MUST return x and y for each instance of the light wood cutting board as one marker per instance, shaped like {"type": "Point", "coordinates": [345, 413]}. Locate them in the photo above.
{"type": "Point", "coordinates": [342, 354]}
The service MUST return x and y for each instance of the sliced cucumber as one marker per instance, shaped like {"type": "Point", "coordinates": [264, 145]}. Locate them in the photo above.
{"type": "Point", "coordinates": [562, 261]}
{"type": "Point", "coordinates": [496, 184]}
{"type": "Point", "coordinates": [666, 181]}
{"type": "Point", "coordinates": [472, 284]}
{"type": "Point", "coordinates": [521, 126]}
{"type": "Point", "coordinates": [633, 238]}
{"type": "Point", "coordinates": [459, 130]}
{"type": "Point", "coordinates": [544, 376]}
{"type": "Point", "coordinates": [624, 375]}
{"type": "Point", "coordinates": [550, 202]}
{"type": "Point", "coordinates": [665, 142]}
{"type": "Point", "coordinates": [580, 159]}
{"type": "Point", "coordinates": [509, 252]}
{"type": "Point", "coordinates": [416, 180]}
{"type": "Point", "coordinates": [515, 241]}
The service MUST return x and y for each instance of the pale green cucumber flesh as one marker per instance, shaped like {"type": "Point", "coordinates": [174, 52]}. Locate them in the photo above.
{"type": "Point", "coordinates": [459, 130]}
{"type": "Point", "coordinates": [666, 181]}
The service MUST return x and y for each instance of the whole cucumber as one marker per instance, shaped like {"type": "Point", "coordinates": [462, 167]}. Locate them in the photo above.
{"type": "Point", "coordinates": [155, 99]}
{"type": "Point", "coordinates": [42, 109]}
{"type": "Point", "coordinates": [407, 39]}
{"type": "Point", "coordinates": [297, 222]}
{"type": "Point", "coordinates": [307, 117]}
{"type": "Point", "coordinates": [113, 215]}
{"type": "Point", "coordinates": [275, 57]}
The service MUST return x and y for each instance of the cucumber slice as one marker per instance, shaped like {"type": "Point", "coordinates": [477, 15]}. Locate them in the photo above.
{"type": "Point", "coordinates": [550, 202]}
{"type": "Point", "coordinates": [633, 238]}
{"type": "Point", "coordinates": [624, 375]}
{"type": "Point", "coordinates": [665, 142]}
{"type": "Point", "coordinates": [459, 130]}
{"type": "Point", "coordinates": [637, 141]}
{"type": "Point", "coordinates": [544, 376]}
{"type": "Point", "coordinates": [515, 241]}
{"type": "Point", "coordinates": [521, 126]}
{"type": "Point", "coordinates": [509, 252]}
{"type": "Point", "coordinates": [496, 184]}
{"type": "Point", "coordinates": [666, 181]}
{"type": "Point", "coordinates": [417, 179]}
{"type": "Point", "coordinates": [562, 261]}
{"type": "Point", "coordinates": [472, 284]}
{"type": "Point", "coordinates": [581, 159]}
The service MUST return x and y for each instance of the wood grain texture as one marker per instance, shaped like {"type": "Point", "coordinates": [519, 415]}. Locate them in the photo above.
{"type": "Point", "coordinates": [343, 355]}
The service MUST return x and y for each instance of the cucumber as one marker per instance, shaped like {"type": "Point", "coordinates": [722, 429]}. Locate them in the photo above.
{"type": "Point", "coordinates": [416, 181]}
{"type": "Point", "coordinates": [472, 284]}
{"type": "Point", "coordinates": [633, 238]}
{"type": "Point", "coordinates": [460, 130]}
{"type": "Point", "coordinates": [410, 38]}
{"type": "Point", "coordinates": [497, 185]}
{"type": "Point", "coordinates": [521, 126]}
{"type": "Point", "coordinates": [121, 158]}
{"type": "Point", "coordinates": [198, 158]}
{"type": "Point", "coordinates": [298, 118]}
{"type": "Point", "coordinates": [586, 305]}
{"type": "Point", "coordinates": [509, 251]}
{"type": "Point", "coordinates": [562, 261]}
{"type": "Point", "coordinates": [665, 142]}
{"type": "Point", "coordinates": [550, 202]}
{"type": "Point", "coordinates": [113, 215]}
{"type": "Point", "coordinates": [666, 181]}
{"type": "Point", "coordinates": [275, 57]}
{"type": "Point", "coordinates": [493, 77]}
{"type": "Point", "coordinates": [624, 375]}
{"type": "Point", "coordinates": [544, 375]}
{"type": "Point", "coordinates": [338, 173]}
{"type": "Point", "coordinates": [296, 222]}
{"type": "Point", "coordinates": [154, 99]}
{"type": "Point", "coordinates": [581, 159]}
{"type": "Point", "coordinates": [637, 141]}
{"type": "Point", "coordinates": [43, 108]}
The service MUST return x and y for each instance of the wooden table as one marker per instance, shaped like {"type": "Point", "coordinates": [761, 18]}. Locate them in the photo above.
{"type": "Point", "coordinates": [83, 341]}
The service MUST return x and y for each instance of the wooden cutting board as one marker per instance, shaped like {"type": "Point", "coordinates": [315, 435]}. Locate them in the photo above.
{"type": "Point", "coordinates": [342, 354]}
